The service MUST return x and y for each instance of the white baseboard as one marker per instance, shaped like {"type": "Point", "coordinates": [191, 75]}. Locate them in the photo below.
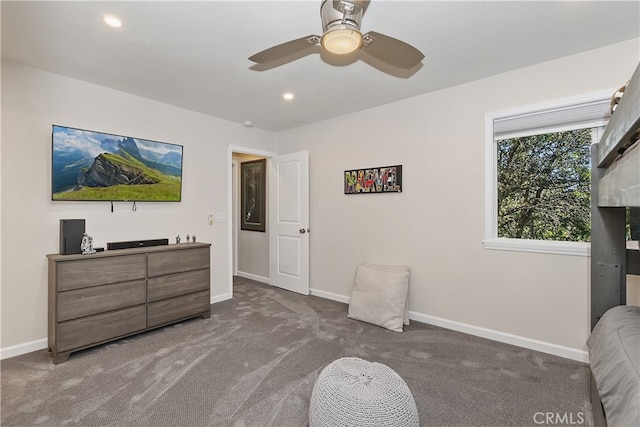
{"type": "Point", "coordinates": [219, 298]}
{"type": "Point", "coordinates": [542, 346]}
{"type": "Point", "coordinates": [253, 277]}
{"type": "Point", "coordinates": [41, 344]}
{"type": "Point", "coordinates": [329, 295]}
{"type": "Point", "coordinates": [25, 348]}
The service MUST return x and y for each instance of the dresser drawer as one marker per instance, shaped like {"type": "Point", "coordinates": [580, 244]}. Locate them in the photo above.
{"type": "Point", "coordinates": [177, 261]}
{"type": "Point", "coordinates": [172, 285]}
{"type": "Point", "coordinates": [168, 310]}
{"type": "Point", "coordinates": [99, 299]}
{"type": "Point", "coordinates": [94, 329]}
{"type": "Point", "coordinates": [99, 271]}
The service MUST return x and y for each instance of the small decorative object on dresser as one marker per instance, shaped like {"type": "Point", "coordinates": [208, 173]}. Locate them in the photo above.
{"type": "Point", "coordinates": [87, 245]}
{"type": "Point", "coordinates": [193, 238]}
{"type": "Point", "coordinates": [177, 239]}
{"type": "Point", "coordinates": [188, 238]}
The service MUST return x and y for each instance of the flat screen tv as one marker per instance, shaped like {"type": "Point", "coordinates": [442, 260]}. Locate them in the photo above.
{"type": "Point", "coordinates": [91, 166]}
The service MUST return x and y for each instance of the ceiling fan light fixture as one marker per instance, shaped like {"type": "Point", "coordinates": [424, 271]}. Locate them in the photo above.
{"type": "Point", "coordinates": [341, 36]}
{"type": "Point", "coordinates": [341, 40]}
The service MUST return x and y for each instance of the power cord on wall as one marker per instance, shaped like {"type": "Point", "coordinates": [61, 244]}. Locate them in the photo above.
{"type": "Point", "coordinates": [133, 208]}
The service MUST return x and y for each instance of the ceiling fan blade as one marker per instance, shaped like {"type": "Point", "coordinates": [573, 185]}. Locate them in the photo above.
{"type": "Point", "coordinates": [391, 51]}
{"type": "Point", "coordinates": [287, 59]}
{"type": "Point", "coordinates": [285, 49]}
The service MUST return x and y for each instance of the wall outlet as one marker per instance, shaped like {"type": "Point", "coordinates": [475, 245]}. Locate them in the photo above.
{"type": "Point", "coordinates": [210, 219]}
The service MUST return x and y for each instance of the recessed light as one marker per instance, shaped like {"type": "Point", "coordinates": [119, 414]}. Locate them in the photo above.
{"type": "Point", "coordinates": [112, 20]}
{"type": "Point", "coordinates": [288, 96]}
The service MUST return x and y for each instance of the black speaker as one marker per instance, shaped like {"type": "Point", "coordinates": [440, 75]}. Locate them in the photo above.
{"type": "Point", "coordinates": [71, 231]}
{"type": "Point", "coordinates": [136, 244]}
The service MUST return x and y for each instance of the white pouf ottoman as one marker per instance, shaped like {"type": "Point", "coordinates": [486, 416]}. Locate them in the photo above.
{"type": "Point", "coordinates": [354, 392]}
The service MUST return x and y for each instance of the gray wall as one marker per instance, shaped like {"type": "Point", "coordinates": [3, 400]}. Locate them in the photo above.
{"type": "Point", "coordinates": [32, 101]}
{"type": "Point", "coordinates": [436, 225]}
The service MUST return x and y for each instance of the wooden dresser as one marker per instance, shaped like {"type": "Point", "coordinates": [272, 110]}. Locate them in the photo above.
{"type": "Point", "coordinates": [108, 295]}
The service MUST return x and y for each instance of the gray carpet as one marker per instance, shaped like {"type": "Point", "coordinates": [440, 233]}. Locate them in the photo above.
{"type": "Point", "coordinates": [255, 361]}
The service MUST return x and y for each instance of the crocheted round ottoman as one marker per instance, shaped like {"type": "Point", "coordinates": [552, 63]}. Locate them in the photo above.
{"type": "Point", "coordinates": [354, 392]}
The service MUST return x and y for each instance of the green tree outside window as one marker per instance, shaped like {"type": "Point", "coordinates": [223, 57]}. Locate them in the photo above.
{"type": "Point", "coordinates": [544, 186]}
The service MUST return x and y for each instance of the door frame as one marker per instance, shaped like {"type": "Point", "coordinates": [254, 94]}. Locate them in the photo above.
{"type": "Point", "coordinates": [231, 220]}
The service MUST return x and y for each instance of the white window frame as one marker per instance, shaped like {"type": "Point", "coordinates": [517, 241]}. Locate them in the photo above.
{"type": "Point", "coordinates": [491, 239]}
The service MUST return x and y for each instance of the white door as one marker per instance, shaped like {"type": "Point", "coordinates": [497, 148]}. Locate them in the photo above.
{"type": "Point", "coordinates": [289, 222]}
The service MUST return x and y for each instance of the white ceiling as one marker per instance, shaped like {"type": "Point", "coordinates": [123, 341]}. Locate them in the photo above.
{"type": "Point", "coordinates": [194, 54]}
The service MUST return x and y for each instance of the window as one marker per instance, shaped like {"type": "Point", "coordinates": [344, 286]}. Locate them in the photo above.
{"type": "Point", "coordinates": [537, 180]}
{"type": "Point", "coordinates": [543, 186]}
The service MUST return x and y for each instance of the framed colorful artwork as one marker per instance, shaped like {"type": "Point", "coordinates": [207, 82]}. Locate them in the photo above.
{"type": "Point", "coordinates": [384, 179]}
{"type": "Point", "coordinates": [252, 195]}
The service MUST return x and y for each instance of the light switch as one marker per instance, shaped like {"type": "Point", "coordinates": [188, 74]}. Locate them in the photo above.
{"type": "Point", "coordinates": [221, 217]}
{"type": "Point", "coordinates": [210, 219]}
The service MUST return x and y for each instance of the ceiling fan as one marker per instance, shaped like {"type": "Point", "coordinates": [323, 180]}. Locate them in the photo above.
{"type": "Point", "coordinates": [341, 21]}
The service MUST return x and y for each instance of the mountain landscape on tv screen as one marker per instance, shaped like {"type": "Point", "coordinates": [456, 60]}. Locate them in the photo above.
{"type": "Point", "coordinates": [95, 166]}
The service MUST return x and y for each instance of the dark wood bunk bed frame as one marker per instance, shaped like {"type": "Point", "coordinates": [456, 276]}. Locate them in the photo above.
{"type": "Point", "coordinates": [615, 185]}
